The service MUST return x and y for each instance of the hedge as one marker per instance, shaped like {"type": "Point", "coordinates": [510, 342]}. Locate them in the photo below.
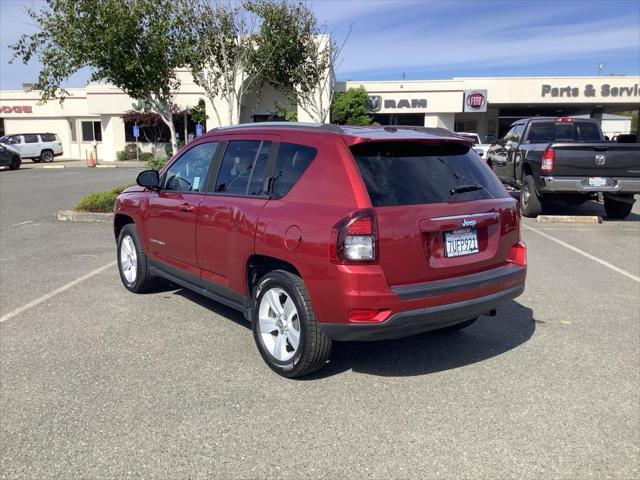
{"type": "Point", "coordinates": [101, 202]}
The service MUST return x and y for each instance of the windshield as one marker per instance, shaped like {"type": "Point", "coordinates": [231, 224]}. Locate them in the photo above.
{"type": "Point", "coordinates": [413, 173]}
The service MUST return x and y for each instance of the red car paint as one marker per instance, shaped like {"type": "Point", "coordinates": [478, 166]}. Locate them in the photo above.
{"type": "Point", "coordinates": [214, 237]}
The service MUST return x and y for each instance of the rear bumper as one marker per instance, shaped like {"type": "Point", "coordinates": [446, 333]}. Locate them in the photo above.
{"type": "Point", "coordinates": [581, 185]}
{"type": "Point", "coordinates": [411, 322]}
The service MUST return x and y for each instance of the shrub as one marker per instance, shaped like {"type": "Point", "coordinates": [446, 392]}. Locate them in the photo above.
{"type": "Point", "coordinates": [130, 151]}
{"type": "Point", "coordinates": [101, 202]}
{"type": "Point", "coordinates": [146, 156]}
{"type": "Point", "coordinates": [120, 156]}
{"type": "Point", "coordinates": [156, 163]}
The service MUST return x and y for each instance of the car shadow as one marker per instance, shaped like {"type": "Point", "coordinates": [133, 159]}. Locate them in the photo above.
{"type": "Point", "coordinates": [422, 354]}
{"type": "Point", "coordinates": [591, 207]}
{"type": "Point", "coordinates": [434, 352]}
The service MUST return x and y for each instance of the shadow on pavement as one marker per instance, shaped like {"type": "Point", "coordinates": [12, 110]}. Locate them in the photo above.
{"type": "Point", "coordinates": [433, 352]}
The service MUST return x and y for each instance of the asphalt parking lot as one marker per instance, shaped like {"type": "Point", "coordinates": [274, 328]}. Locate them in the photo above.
{"type": "Point", "coordinates": [96, 382]}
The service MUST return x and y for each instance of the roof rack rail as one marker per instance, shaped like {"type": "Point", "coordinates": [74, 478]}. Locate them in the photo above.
{"type": "Point", "coordinates": [326, 127]}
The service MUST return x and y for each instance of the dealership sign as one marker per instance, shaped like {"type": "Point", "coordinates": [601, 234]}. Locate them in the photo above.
{"type": "Point", "coordinates": [475, 101]}
{"type": "Point", "coordinates": [605, 91]}
{"type": "Point", "coordinates": [16, 109]}
{"type": "Point", "coordinates": [375, 103]}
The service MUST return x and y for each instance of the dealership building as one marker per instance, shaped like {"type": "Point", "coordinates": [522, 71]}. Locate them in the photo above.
{"type": "Point", "coordinates": [485, 105]}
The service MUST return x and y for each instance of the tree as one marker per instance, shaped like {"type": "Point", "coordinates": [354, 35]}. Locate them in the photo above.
{"type": "Point", "coordinates": [221, 48]}
{"type": "Point", "coordinates": [305, 56]}
{"type": "Point", "coordinates": [350, 107]}
{"type": "Point", "coordinates": [134, 44]}
{"type": "Point", "coordinates": [199, 112]}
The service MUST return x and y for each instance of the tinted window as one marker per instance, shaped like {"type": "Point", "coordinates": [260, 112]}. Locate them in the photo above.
{"type": "Point", "coordinates": [291, 163]}
{"type": "Point", "coordinates": [243, 166]}
{"type": "Point", "coordinates": [48, 137]}
{"type": "Point", "coordinates": [10, 140]}
{"type": "Point", "coordinates": [547, 132]}
{"type": "Point", "coordinates": [410, 173]}
{"type": "Point", "coordinates": [31, 139]}
{"type": "Point", "coordinates": [91, 131]}
{"type": "Point", "coordinates": [189, 172]}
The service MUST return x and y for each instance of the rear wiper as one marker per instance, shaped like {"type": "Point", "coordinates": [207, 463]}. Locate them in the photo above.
{"type": "Point", "coordinates": [465, 188]}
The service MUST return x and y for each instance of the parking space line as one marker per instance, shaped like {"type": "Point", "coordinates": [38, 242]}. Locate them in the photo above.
{"type": "Point", "coordinates": [583, 253]}
{"type": "Point", "coordinates": [55, 292]}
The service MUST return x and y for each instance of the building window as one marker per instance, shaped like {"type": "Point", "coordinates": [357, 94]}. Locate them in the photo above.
{"type": "Point", "coordinates": [72, 128]}
{"type": "Point", "coordinates": [91, 131]}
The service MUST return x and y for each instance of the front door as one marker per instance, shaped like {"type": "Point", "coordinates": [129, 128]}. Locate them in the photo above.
{"type": "Point", "coordinates": [173, 211]}
{"type": "Point", "coordinates": [228, 215]}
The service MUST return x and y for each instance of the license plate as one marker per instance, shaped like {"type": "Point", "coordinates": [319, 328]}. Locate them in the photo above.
{"type": "Point", "coordinates": [597, 182]}
{"type": "Point", "coordinates": [461, 242]}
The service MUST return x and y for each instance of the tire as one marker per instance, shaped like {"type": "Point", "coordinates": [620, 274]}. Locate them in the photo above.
{"type": "Point", "coordinates": [457, 326]}
{"type": "Point", "coordinates": [130, 253]}
{"type": "Point", "coordinates": [530, 204]}
{"type": "Point", "coordinates": [275, 336]}
{"type": "Point", "coordinates": [15, 163]}
{"type": "Point", "coordinates": [46, 156]}
{"type": "Point", "coordinates": [617, 209]}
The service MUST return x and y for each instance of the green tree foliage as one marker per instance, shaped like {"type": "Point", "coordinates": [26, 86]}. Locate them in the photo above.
{"type": "Point", "coordinates": [134, 44]}
{"type": "Point", "coordinates": [350, 107]}
{"type": "Point", "coordinates": [199, 112]}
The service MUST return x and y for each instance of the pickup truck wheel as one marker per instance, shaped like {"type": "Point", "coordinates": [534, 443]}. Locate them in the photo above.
{"type": "Point", "coordinates": [15, 163]}
{"type": "Point", "coordinates": [617, 209]}
{"type": "Point", "coordinates": [133, 264]}
{"type": "Point", "coordinates": [46, 156]}
{"type": "Point", "coordinates": [530, 205]}
{"type": "Point", "coordinates": [285, 328]}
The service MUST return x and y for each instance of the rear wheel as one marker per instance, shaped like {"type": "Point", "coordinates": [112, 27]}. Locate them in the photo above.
{"type": "Point", "coordinates": [619, 207]}
{"type": "Point", "coordinates": [285, 328]}
{"type": "Point", "coordinates": [530, 204]}
{"type": "Point", "coordinates": [46, 156]}
{"type": "Point", "coordinates": [15, 163]}
{"type": "Point", "coordinates": [132, 262]}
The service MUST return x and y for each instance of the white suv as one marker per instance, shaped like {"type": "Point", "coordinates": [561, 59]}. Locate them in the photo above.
{"type": "Point", "coordinates": [39, 147]}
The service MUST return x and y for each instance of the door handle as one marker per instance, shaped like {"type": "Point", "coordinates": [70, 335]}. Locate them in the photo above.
{"type": "Point", "coordinates": [185, 207]}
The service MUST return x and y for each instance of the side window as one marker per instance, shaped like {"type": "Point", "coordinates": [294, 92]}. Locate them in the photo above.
{"type": "Point", "coordinates": [517, 133]}
{"type": "Point", "coordinates": [243, 166]}
{"type": "Point", "coordinates": [48, 137]}
{"type": "Point", "coordinates": [509, 135]}
{"type": "Point", "coordinates": [13, 140]}
{"type": "Point", "coordinates": [31, 139]}
{"type": "Point", "coordinates": [291, 163]}
{"type": "Point", "coordinates": [189, 172]}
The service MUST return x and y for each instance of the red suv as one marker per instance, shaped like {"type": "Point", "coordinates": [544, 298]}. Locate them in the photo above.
{"type": "Point", "coordinates": [321, 233]}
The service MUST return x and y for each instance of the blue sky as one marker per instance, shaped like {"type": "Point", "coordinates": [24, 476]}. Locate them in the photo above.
{"type": "Point", "coordinates": [441, 39]}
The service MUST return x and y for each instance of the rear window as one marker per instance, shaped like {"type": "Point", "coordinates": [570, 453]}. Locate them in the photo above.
{"type": "Point", "coordinates": [48, 137]}
{"type": "Point", "coordinates": [547, 132]}
{"type": "Point", "coordinates": [412, 173]}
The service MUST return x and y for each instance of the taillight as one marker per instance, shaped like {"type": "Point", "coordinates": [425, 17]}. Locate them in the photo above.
{"type": "Point", "coordinates": [548, 158]}
{"type": "Point", "coordinates": [518, 254]}
{"type": "Point", "coordinates": [353, 239]}
{"type": "Point", "coordinates": [564, 120]}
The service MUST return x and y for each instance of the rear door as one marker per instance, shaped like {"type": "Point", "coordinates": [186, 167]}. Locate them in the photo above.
{"type": "Point", "coordinates": [228, 214]}
{"type": "Point", "coordinates": [441, 211]}
{"type": "Point", "coordinates": [31, 146]}
{"type": "Point", "coordinates": [171, 222]}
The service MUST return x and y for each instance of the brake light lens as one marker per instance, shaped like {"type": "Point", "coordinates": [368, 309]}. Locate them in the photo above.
{"type": "Point", "coordinates": [353, 239]}
{"type": "Point", "coordinates": [548, 157]}
{"type": "Point", "coordinates": [564, 120]}
{"type": "Point", "coordinates": [518, 254]}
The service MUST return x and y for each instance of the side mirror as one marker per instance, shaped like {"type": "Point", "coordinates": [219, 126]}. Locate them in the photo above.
{"type": "Point", "coordinates": [149, 179]}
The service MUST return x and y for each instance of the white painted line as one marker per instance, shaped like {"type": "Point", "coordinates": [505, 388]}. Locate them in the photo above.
{"type": "Point", "coordinates": [21, 223]}
{"type": "Point", "coordinates": [583, 253]}
{"type": "Point", "coordinates": [44, 298]}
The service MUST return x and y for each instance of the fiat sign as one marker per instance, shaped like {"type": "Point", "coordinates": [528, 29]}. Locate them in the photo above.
{"type": "Point", "coordinates": [475, 101]}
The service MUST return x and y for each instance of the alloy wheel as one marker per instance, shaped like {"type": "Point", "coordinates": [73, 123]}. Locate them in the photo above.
{"type": "Point", "coordinates": [279, 324]}
{"type": "Point", "coordinates": [128, 259]}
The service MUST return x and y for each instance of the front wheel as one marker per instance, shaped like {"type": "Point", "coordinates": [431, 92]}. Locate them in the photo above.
{"type": "Point", "coordinates": [133, 264]}
{"type": "Point", "coordinates": [530, 205]}
{"type": "Point", "coordinates": [285, 328]}
{"type": "Point", "coordinates": [15, 163]}
{"type": "Point", "coordinates": [618, 207]}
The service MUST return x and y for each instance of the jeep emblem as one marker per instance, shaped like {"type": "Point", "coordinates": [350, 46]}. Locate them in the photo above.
{"type": "Point", "coordinates": [600, 159]}
{"type": "Point", "coordinates": [468, 223]}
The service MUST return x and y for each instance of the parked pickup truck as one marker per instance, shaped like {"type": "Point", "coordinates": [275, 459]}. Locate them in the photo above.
{"type": "Point", "coordinates": [566, 159]}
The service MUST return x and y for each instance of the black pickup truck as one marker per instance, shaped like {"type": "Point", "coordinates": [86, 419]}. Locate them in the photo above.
{"type": "Point", "coordinates": [566, 159]}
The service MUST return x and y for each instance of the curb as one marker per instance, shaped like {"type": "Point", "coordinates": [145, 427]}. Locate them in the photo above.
{"type": "Point", "coordinates": [569, 219]}
{"type": "Point", "coordinates": [86, 217]}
